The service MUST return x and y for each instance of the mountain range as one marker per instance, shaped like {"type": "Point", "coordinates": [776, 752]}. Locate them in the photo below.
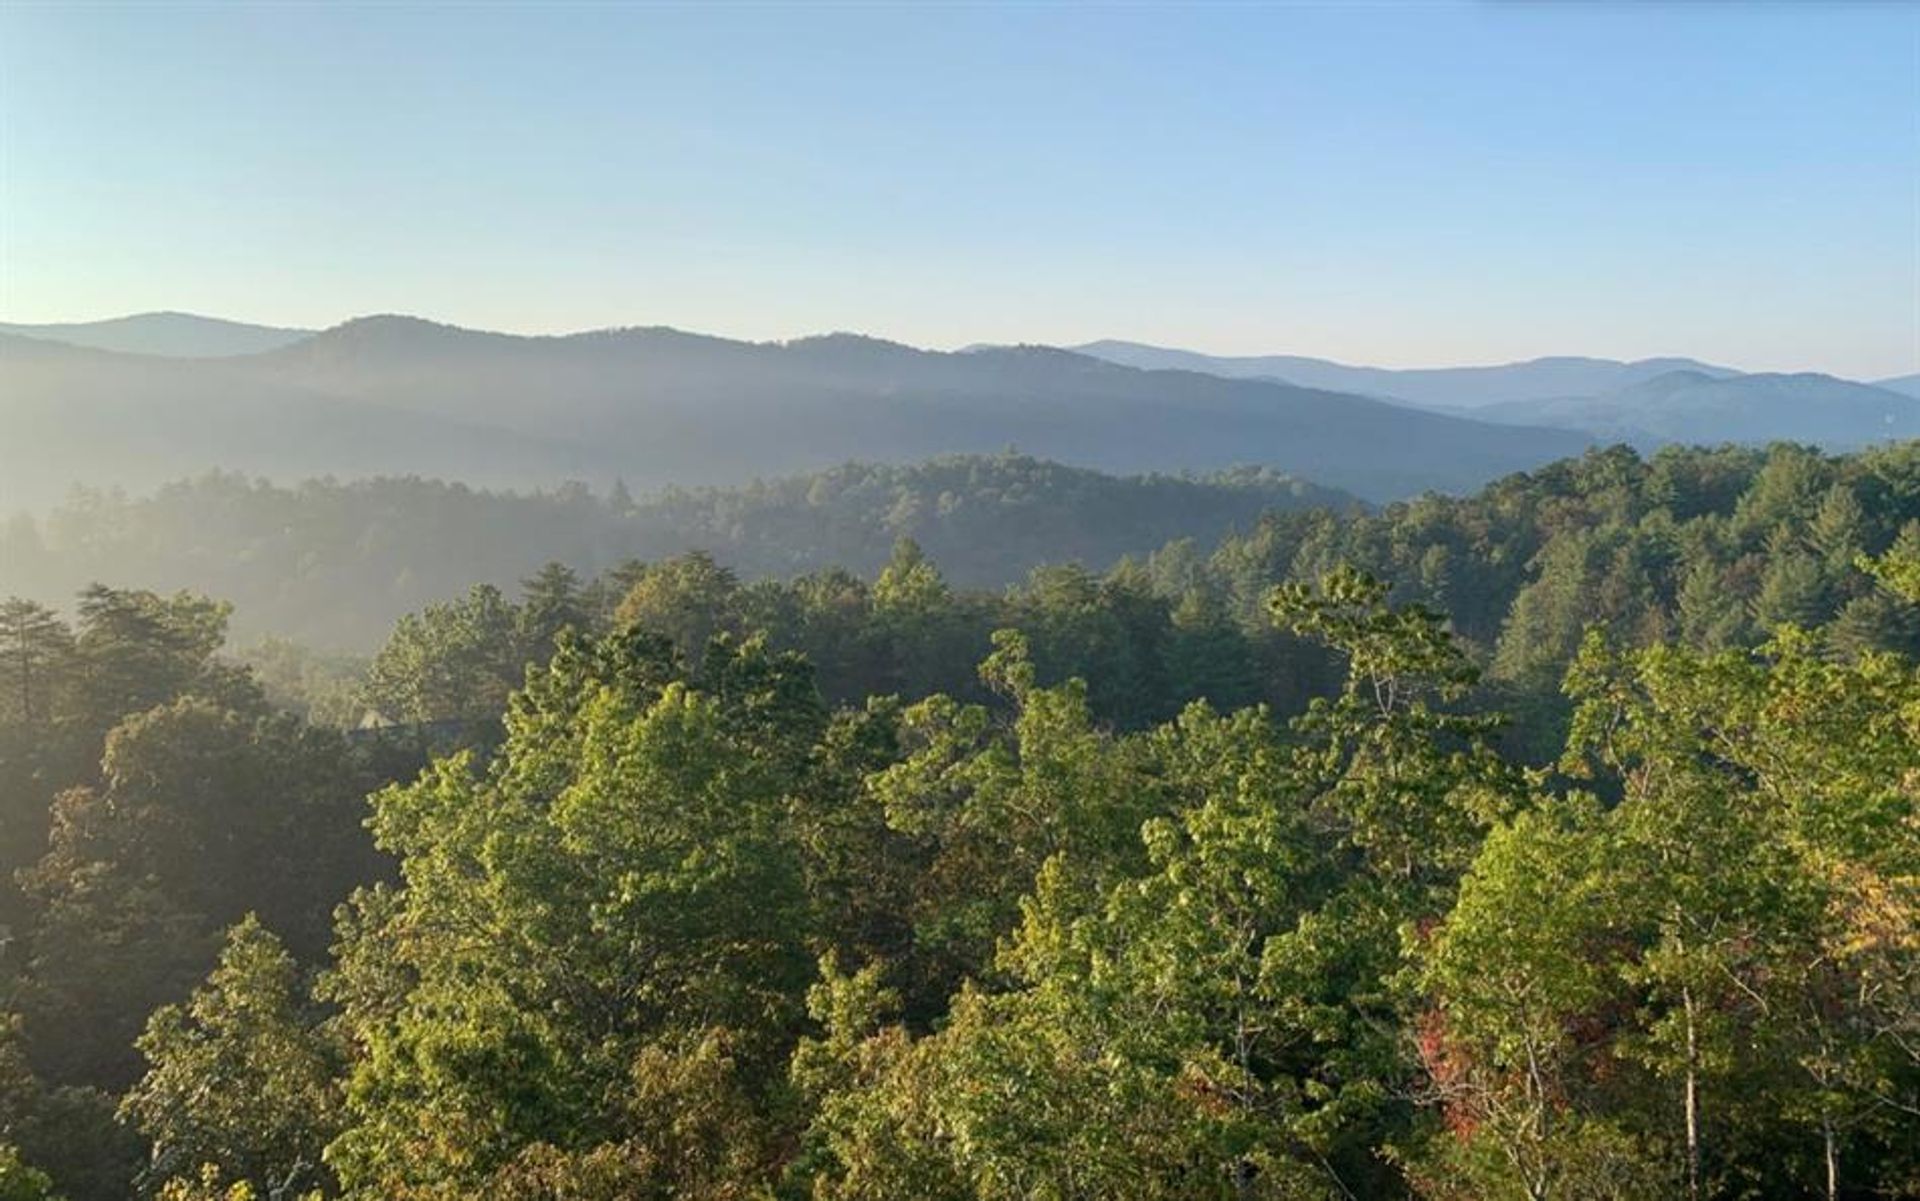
{"type": "Point", "coordinates": [398, 395]}
{"type": "Point", "coordinates": [137, 401]}
{"type": "Point", "coordinates": [173, 335]}
{"type": "Point", "coordinates": [1692, 406]}
{"type": "Point", "coordinates": [1447, 387]}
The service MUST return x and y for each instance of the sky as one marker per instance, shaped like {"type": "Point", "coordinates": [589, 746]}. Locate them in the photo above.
{"type": "Point", "coordinates": [1395, 184]}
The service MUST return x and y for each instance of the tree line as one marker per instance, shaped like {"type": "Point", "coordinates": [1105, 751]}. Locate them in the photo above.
{"type": "Point", "coordinates": [332, 565]}
{"type": "Point", "coordinates": [1709, 549]}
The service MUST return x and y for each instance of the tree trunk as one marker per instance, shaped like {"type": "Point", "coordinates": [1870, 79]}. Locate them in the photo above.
{"type": "Point", "coordinates": [1833, 1158]}
{"type": "Point", "coordinates": [1692, 1100]}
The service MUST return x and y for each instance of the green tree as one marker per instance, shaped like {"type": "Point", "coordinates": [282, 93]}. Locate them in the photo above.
{"type": "Point", "coordinates": [688, 600]}
{"type": "Point", "coordinates": [910, 582]}
{"type": "Point", "coordinates": [1875, 622]}
{"type": "Point", "coordinates": [1523, 979]}
{"type": "Point", "coordinates": [241, 1076]}
{"type": "Point", "coordinates": [20, 1181]}
{"type": "Point", "coordinates": [1207, 656]}
{"type": "Point", "coordinates": [67, 1133]}
{"type": "Point", "coordinates": [456, 661]}
{"type": "Point", "coordinates": [138, 649]}
{"type": "Point", "coordinates": [1793, 591]}
{"type": "Point", "coordinates": [35, 649]}
{"type": "Point", "coordinates": [551, 600]}
{"type": "Point", "coordinates": [1838, 532]}
{"type": "Point", "coordinates": [624, 877]}
{"type": "Point", "coordinates": [1753, 785]}
{"type": "Point", "coordinates": [1207, 1016]}
{"type": "Point", "coordinates": [1712, 616]}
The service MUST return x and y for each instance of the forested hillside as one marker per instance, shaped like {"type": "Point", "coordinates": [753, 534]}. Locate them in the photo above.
{"type": "Point", "coordinates": [660, 407]}
{"type": "Point", "coordinates": [1692, 406]}
{"type": "Point", "coordinates": [1221, 874]}
{"type": "Point", "coordinates": [333, 565]}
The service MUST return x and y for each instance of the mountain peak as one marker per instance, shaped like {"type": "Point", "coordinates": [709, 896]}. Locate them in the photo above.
{"type": "Point", "coordinates": [390, 324]}
{"type": "Point", "coordinates": [1668, 382]}
{"type": "Point", "coordinates": [167, 333]}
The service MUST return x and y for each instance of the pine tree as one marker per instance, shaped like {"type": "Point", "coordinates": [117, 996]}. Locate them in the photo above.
{"type": "Point", "coordinates": [1838, 531]}
{"type": "Point", "coordinates": [36, 649]}
{"type": "Point", "coordinates": [550, 601]}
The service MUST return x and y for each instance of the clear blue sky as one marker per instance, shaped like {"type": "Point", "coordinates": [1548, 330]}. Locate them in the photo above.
{"type": "Point", "coordinates": [1392, 183]}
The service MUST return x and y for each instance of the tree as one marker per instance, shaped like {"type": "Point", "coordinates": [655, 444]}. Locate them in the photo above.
{"type": "Point", "coordinates": [241, 1076]}
{"type": "Point", "coordinates": [200, 814]}
{"type": "Point", "coordinates": [1207, 657]}
{"type": "Point", "coordinates": [456, 661]}
{"type": "Point", "coordinates": [985, 804]}
{"type": "Point", "coordinates": [1712, 616]}
{"type": "Point", "coordinates": [138, 649]}
{"type": "Point", "coordinates": [107, 950]}
{"type": "Point", "coordinates": [924, 625]}
{"type": "Point", "coordinates": [1748, 782]}
{"type": "Point", "coordinates": [622, 879]}
{"type": "Point", "coordinates": [1838, 531]}
{"type": "Point", "coordinates": [1525, 977]}
{"type": "Point", "coordinates": [688, 600]}
{"type": "Point", "coordinates": [20, 1181]}
{"type": "Point", "coordinates": [1138, 1054]}
{"type": "Point", "coordinates": [35, 648]}
{"type": "Point", "coordinates": [1875, 622]}
{"type": "Point", "coordinates": [36, 685]}
{"type": "Point", "coordinates": [910, 582]}
{"type": "Point", "coordinates": [1411, 783]}
{"type": "Point", "coordinates": [1793, 591]}
{"type": "Point", "coordinates": [550, 601]}
{"type": "Point", "coordinates": [223, 812]}
{"type": "Point", "coordinates": [1208, 1016]}
{"type": "Point", "coordinates": [67, 1134]}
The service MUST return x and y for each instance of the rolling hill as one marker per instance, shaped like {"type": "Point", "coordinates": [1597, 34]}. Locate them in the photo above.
{"type": "Point", "coordinates": [1906, 385]}
{"type": "Point", "coordinates": [1447, 387]}
{"type": "Point", "coordinates": [1691, 406]}
{"type": "Point", "coordinates": [79, 416]}
{"type": "Point", "coordinates": [335, 564]}
{"type": "Point", "coordinates": [170, 335]}
{"type": "Point", "coordinates": [386, 395]}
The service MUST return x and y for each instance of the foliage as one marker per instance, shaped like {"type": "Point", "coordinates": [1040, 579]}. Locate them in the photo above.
{"type": "Point", "coordinates": [1211, 875]}
{"type": "Point", "coordinates": [240, 1077]}
{"type": "Point", "coordinates": [333, 564]}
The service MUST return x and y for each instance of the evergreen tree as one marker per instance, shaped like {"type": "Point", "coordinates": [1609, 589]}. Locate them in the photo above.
{"type": "Point", "coordinates": [550, 601]}
{"type": "Point", "coordinates": [35, 652]}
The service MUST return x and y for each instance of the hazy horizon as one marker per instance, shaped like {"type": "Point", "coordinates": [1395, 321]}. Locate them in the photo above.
{"type": "Point", "coordinates": [1386, 185]}
{"type": "Point", "coordinates": [7, 320]}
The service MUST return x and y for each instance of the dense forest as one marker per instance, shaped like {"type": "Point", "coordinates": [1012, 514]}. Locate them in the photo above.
{"type": "Point", "coordinates": [1559, 841]}
{"type": "Point", "coordinates": [332, 565]}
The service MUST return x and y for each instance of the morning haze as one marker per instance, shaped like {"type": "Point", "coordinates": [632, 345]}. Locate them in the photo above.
{"type": "Point", "coordinates": [967, 602]}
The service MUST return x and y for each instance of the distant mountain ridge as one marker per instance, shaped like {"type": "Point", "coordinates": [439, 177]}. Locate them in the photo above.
{"type": "Point", "coordinates": [169, 335]}
{"type": "Point", "coordinates": [1647, 403]}
{"type": "Point", "coordinates": [1906, 385]}
{"type": "Point", "coordinates": [1692, 406]}
{"type": "Point", "coordinates": [1451, 387]}
{"type": "Point", "coordinates": [80, 416]}
{"type": "Point", "coordinates": [660, 406]}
